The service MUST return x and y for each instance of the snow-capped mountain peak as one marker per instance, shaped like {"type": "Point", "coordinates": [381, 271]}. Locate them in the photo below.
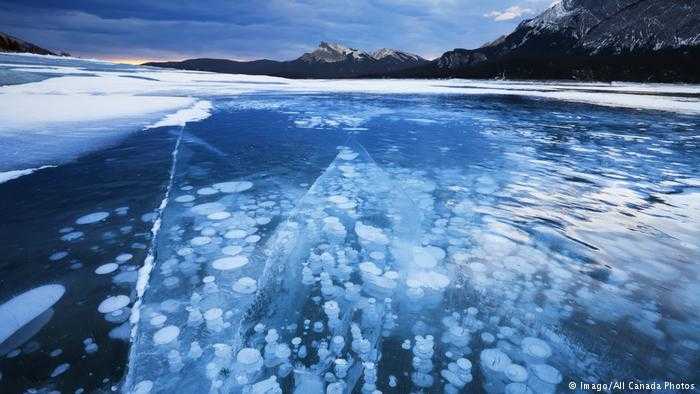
{"type": "Point", "coordinates": [388, 53]}
{"type": "Point", "coordinates": [333, 52]}
{"type": "Point", "coordinates": [576, 39]}
{"type": "Point", "coordinates": [328, 60]}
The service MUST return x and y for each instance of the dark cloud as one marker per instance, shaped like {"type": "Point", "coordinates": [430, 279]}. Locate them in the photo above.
{"type": "Point", "coordinates": [246, 29]}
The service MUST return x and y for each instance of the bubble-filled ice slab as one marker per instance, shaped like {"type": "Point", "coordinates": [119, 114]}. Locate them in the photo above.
{"type": "Point", "coordinates": [339, 270]}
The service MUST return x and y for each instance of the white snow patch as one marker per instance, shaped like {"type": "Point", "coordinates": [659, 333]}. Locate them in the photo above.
{"type": "Point", "coordinates": [10, 175]}
{"type": "Point", "coordinates": [18, 105]}
{"type": "Point", "coordinates": [199, 111]}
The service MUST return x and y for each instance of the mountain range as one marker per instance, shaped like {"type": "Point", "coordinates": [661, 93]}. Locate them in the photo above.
{"type": "Point", "coordinates": [630, 40]}
{"type": "Point", "coordinates": [637, 40]}
{"type": "Point", "coordinates": [327, 61]}
{"type": "Point", "coordinates": [644, 40]}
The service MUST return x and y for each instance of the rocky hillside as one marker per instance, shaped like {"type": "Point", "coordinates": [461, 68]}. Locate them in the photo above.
{"type": "Point", "coordinates": [13, 44]}
{"type": "Point", "coordinates": [656, 40]}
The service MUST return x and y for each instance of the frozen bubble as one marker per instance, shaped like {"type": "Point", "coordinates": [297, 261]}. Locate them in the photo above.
{"type": "Point", "coordinates": [236, 234]}
{"type": "Point", "coordinates": [73, 236]}
{"type": "Point", "coordinates": [221, 215]}
{"type": "Point", "coordinates": [494, 360]}
{"type": "Point", "coordinates": [200, 241]}
{"type": "Point", "coordinates": [207, 208]}
{"type": "Point", "coordinates": [149, 217]}
{"type": "Point", "coordinates": [208, 232]}
{"type": "Point", "coordinates": [392, 275]}
{"type": "Point", "coordinates": [121, 332]}
{"type": "Point", "coordinates": [169, 305]}
{"type": "Point", "coordinates": [171, 281]}
{"type": "Point", "coordinates": [516, 373]}
{"type": "Point", "coordinates": [213, 314]}
{"type": "Point", "coordinates": [185, 251]}
{"type": "Point", "coordinates": [229, 263]}
{"type": "Point", "coordinates": [23, 309]}
{"type": "Point", "coordinates": [125, 277]}
{"type": "Point", "coordinates": [92, 218]}
{"type": "Point", "coordinates": [143, 387]}
{"type": "Point", "coordinates": [91, 348]}
{"type": "Point", "coordinates": [487, 337]}
{"type": "Point", "coordinates": [106, 268]}
{"type": "Point", "coordinates": [536, 348]}
{"type": "Point", "coordinates": [263, 220]}
{"type": "Point", "coordinates": [370, 268]}
{"type": "Point", "coordinates": [166, 335]}
{"type": "Point", "coordinates": [185, 198]}
{"type": "Point", "coordinates": [124, 257]}
{"type": "Point", "coordinates": [158, 320]}
{"type": "Point", "coordinates": [252, 239]}
{"type": "Point", "coordinates": [268, 385]}
{"type": "Point", "coordinates": [114, 303]}
{"type": "Point", "coordinates": [118, 316]}
{"type": "Point", "coordinates": [438, 253]}
{"type": "Point", "coordinates": [379, 256]}
{"type": "Point", "coordinates": [546, 373]}
{"type": "Point", "coordinates": [232, 250]}
{"type": "Point", "coordinates": [371, 233]}
{"type": "Point", "coordinates": [428, 279]}
{"type": "Point", "coordinates": [207, 191]}
{"type": "Point", "coordinates": [248, 356]}
{"type": "Point", "coordinates": [233, 186]}
{"type": "Point", "coordinates": [60, 369]}
{"type": "Point", "coordinates": [58, 256]}
{"type": "Point", "coordinates": [338, 199]}
{"type": "Point", "coordinates": [245, 285]}
{"type": "Point", "coordinates": [423, 258]}
{"type": "Point", "coordinates": [208, 279]}
{"type": "Point", "coordinates": [392, 381]}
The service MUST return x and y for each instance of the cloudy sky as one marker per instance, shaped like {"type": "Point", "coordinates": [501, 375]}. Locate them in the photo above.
{"type": "Point", "coordinates": [135, 30]}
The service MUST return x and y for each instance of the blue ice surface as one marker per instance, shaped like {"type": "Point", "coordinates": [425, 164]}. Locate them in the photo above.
{"type": "Point", "coordinates": [558, 226]}
{"type": "Point", "coordinates": [352, 242]}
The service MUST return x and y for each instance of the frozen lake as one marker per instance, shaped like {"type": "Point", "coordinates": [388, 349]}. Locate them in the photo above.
{"type": "Point", "coordinates": [167, 231]}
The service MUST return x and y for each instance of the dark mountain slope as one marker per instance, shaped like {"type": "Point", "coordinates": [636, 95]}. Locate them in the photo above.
{"type": "Point", "coordinates": [13, 44]}
{"type": "Point", "coordinates": [327, 61]}
{"type": "Point", "coordinates": [655, 40]}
